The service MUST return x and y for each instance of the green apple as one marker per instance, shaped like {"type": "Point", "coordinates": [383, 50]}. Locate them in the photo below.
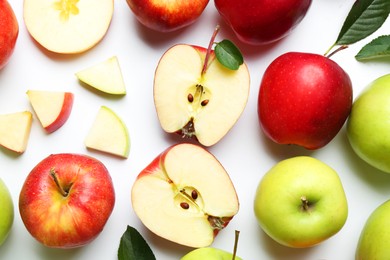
{"type": "Point", "coordinates": [368, 127]}
{"type": "Point", "coordinates": [375, 237]}
{"type": "Point", "coordinates": [209, 253]}
{"type": "Point", "coordinates": [300, 202]}
{"type": "Point", "coordinates": [6, 212]}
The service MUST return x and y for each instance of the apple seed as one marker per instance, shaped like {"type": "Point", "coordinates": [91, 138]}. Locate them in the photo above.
{"type": "Point", "coordinates": [184, 205]}
{"type": "Point", "coordinates": [190, 98]}
{"type": "Point", "coordinates": [194, 194]}
{"type": "Point", "coordinates": [204, 102]}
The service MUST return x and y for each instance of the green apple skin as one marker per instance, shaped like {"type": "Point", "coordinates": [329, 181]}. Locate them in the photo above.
{"type": "Point", "coordinates": [368, 127]}
{"type": "Point", "coordinates": [6, 212]}
{"type": "Point", "coordinates": [279, 202]}
{"type": "Point", "coordinates": [375, 237]}
{"type": "Point", "coordinates": [209, 253]}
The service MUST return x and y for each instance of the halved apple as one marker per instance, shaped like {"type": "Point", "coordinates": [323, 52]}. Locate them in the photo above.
{"type": "Point", "coordinates": [51, 107]}
{"type": "Point", "coordinates": [67, 26]}
{"type": "Point", "coordinates": [105, 76]}
{"type": "Point", "coordinates": [109, 134]}
{"type": "Point", "coordinates": [194, 103]}
{"type": "Point", "coordinates": [15, 130]}
{"type": "Point", "coordinates": [185, 195]}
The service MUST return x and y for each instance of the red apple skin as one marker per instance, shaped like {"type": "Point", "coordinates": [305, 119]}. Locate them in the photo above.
{"type": "Point", "coordinates": [64, 114]}
{"type": "Point", "coordinates": [304, 99]}
{"type": "Point", "coordinates": [260, 22]}
{"type": "Point", "coordinates": [9, 30]}
{"type": "Point", "coordinates": [67, 221]}
{"type": "Point", "coordinates": [167, 16]}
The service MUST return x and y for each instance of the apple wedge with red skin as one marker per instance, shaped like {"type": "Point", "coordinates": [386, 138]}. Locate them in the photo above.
{"type": "Point", "coordinates": [66, 200]}
{"type": "Point", "coordinates": [304, 99]}
{"type": "Point", "coordinates": [185, 195]}
{"type": "Point", "coordinates": [52, 108]}
{"type": "Point", "coordinates": [9, 31]}
{"type": "Point", "coordinates": [196, 100]}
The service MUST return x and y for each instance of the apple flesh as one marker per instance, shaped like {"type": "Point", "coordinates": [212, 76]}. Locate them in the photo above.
{"type": "Point", "coordinates": [9, 31]}
{"type": "Point", "coordinates": [375, 236]}
{"type": "Point", "coordinates": [67, 26]}
{"type": "Point", "coordinates": [15, 130]}
{"type": "Point", "coordinates": [105, 76]}
{"type": "Point", "coordinates": [368, 127]}
{"type": "Point", "coordinates": [300, 202]}
{"type": "Point", "coordinates": [108, 134]}
{"type": "Point", "coordinates": [198, 105]}
{"type": "Point", "coordinates": [52, 108]}
{"type": "Point", "coordinates": [259, 22]}
{"type": "Point", "coordinates": [304, 99]}
{"type": "Point", "coordinates": [66, 200]}
{"type": "Point", "coordinates": [167, 16]}
{"type": "Point", "coordinates": [185, 195]}
{"type": "Point", "coordinates": [6, 212]}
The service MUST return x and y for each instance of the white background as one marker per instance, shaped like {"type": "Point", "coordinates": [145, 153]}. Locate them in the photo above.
{"type": "Point", "coordinates": [244, 151]}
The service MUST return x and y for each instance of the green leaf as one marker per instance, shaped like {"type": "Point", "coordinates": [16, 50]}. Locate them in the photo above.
{"type": "Point", "coordinates": [379, 47]}
{"type": "Point", "coordinates": [228, 55]}
{"type": "Point", "coordinates": [364, 18]}
{"type": "Point", "coordinates": [134, 247]}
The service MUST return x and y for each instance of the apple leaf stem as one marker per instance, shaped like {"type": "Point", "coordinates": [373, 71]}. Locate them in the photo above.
{"type": "Point", "coordinates": [237, 235]}
{"type": "Point", "coordinates": [342, 47]}
{"type": "Point", "coordinates": [55, 178]}
{"type": "Point", "coordinates": [208, 52]}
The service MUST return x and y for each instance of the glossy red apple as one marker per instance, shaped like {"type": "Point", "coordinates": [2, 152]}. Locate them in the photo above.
{"type": "Point", "coordinates": [259, 22]}
{"type": "Point", "coordinates": [66, 200]}
{"type": "Point", "coordinates": [304, 99]}
{"type": "Point", "coordinates": [167, 16]}
{"type": "Point", "coordinates": [9, 30]}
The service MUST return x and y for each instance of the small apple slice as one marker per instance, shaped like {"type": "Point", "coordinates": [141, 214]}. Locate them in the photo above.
{"type": "Point", "coordinates": [67, 26]}
{"type": "Point", "coordinates": [185, 195]}
{"type": "Point", "coordinates": [51, 107]}
{"type": "Point", "coordinates": [197, 103]}
{"type": "Point", "coordinates": [15, 130]}
{"type": "Point", "coordinates": [105, 76]}
{"type": "Point", "coordinates": [109, 134]}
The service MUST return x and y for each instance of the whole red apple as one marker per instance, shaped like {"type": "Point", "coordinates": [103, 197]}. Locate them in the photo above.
{"type": "Point", "coordinates": [66, 200]}
{"type": "Point", "coordinates": [167, 16]}
{"type": "Point", "coordinates": [9, 30]}
{"type": "Point", "coordinates": [259, 22]}
{"type": "Point", "coordinates": [304, 99]}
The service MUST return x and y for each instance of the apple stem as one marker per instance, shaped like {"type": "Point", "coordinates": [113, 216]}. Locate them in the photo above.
{"type": "Point", "coordinates": [305, 203]}
{"type": "Point", "coordinates": [208, 52]}
{"type": "Point", "coordinates": [54, 176]}
{"type": "Point", "coordinates": [342, 47]}
{"type": "Point", "coordinates": [237, 234]}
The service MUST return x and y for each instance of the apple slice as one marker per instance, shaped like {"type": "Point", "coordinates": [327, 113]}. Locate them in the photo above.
{"type": "Point", "coordinates": [109, 134]}
{"type": "Point", "coordinates": [197, 103]}
{"type": "Point", "coordinates": [185, 195]}
{"type": "Point", "coordinates": [105, 76]}
{"type": "Point", "coordinates": [15, 130]}
{"type": "Point", "coordinates": [67, 26]}
{"type": "Point", "coordinates": [51, 107]}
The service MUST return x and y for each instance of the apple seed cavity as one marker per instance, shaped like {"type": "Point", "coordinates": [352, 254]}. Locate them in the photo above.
{"type": "Point", "coordinates": [66, 8]}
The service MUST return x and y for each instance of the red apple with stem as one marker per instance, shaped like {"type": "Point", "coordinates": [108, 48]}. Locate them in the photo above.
{"type": "Point", "coordinates": [304, 99]}
{"type": "Point", "coordinates": [259, 22]}
{"type": "Point", "coordinates": [66, 200]}
{"type": "Point", "coordinates": [9, 31]}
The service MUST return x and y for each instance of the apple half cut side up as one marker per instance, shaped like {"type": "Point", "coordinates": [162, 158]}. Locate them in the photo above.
{"type": "Point", "coordinates": [66, 200]}
{"type": "Point", "coordinates": [109, 134]}
{"type": "Point", "coordinates": [65, 26]}
{"type": "Point", "coordinates": [197, 104]}
{"type": "Point", "coordinates": [52, 108]}
{"type": "Point", "coordinates": [189, 191]}
{"type": "Point", "coordinates": [15, 130]}
{"type": "Point", "coordinates": [105, 76]}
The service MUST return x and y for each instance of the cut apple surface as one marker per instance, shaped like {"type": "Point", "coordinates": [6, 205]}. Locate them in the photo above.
{"type": "Point", "coordinates": [105, 76]}
{"type": "Point", "coordinates": [109, 134]}
{"type": "Point", "coordinates": [185, 195]}
{"type": "Point", "coordinates": [196, 104]}
{"type": "Point", "coordinates": [15, 130]}
{"type": "Point", "coordinates": [52, 108]}
{"type": "Point", "coordinates": [67, 26]}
